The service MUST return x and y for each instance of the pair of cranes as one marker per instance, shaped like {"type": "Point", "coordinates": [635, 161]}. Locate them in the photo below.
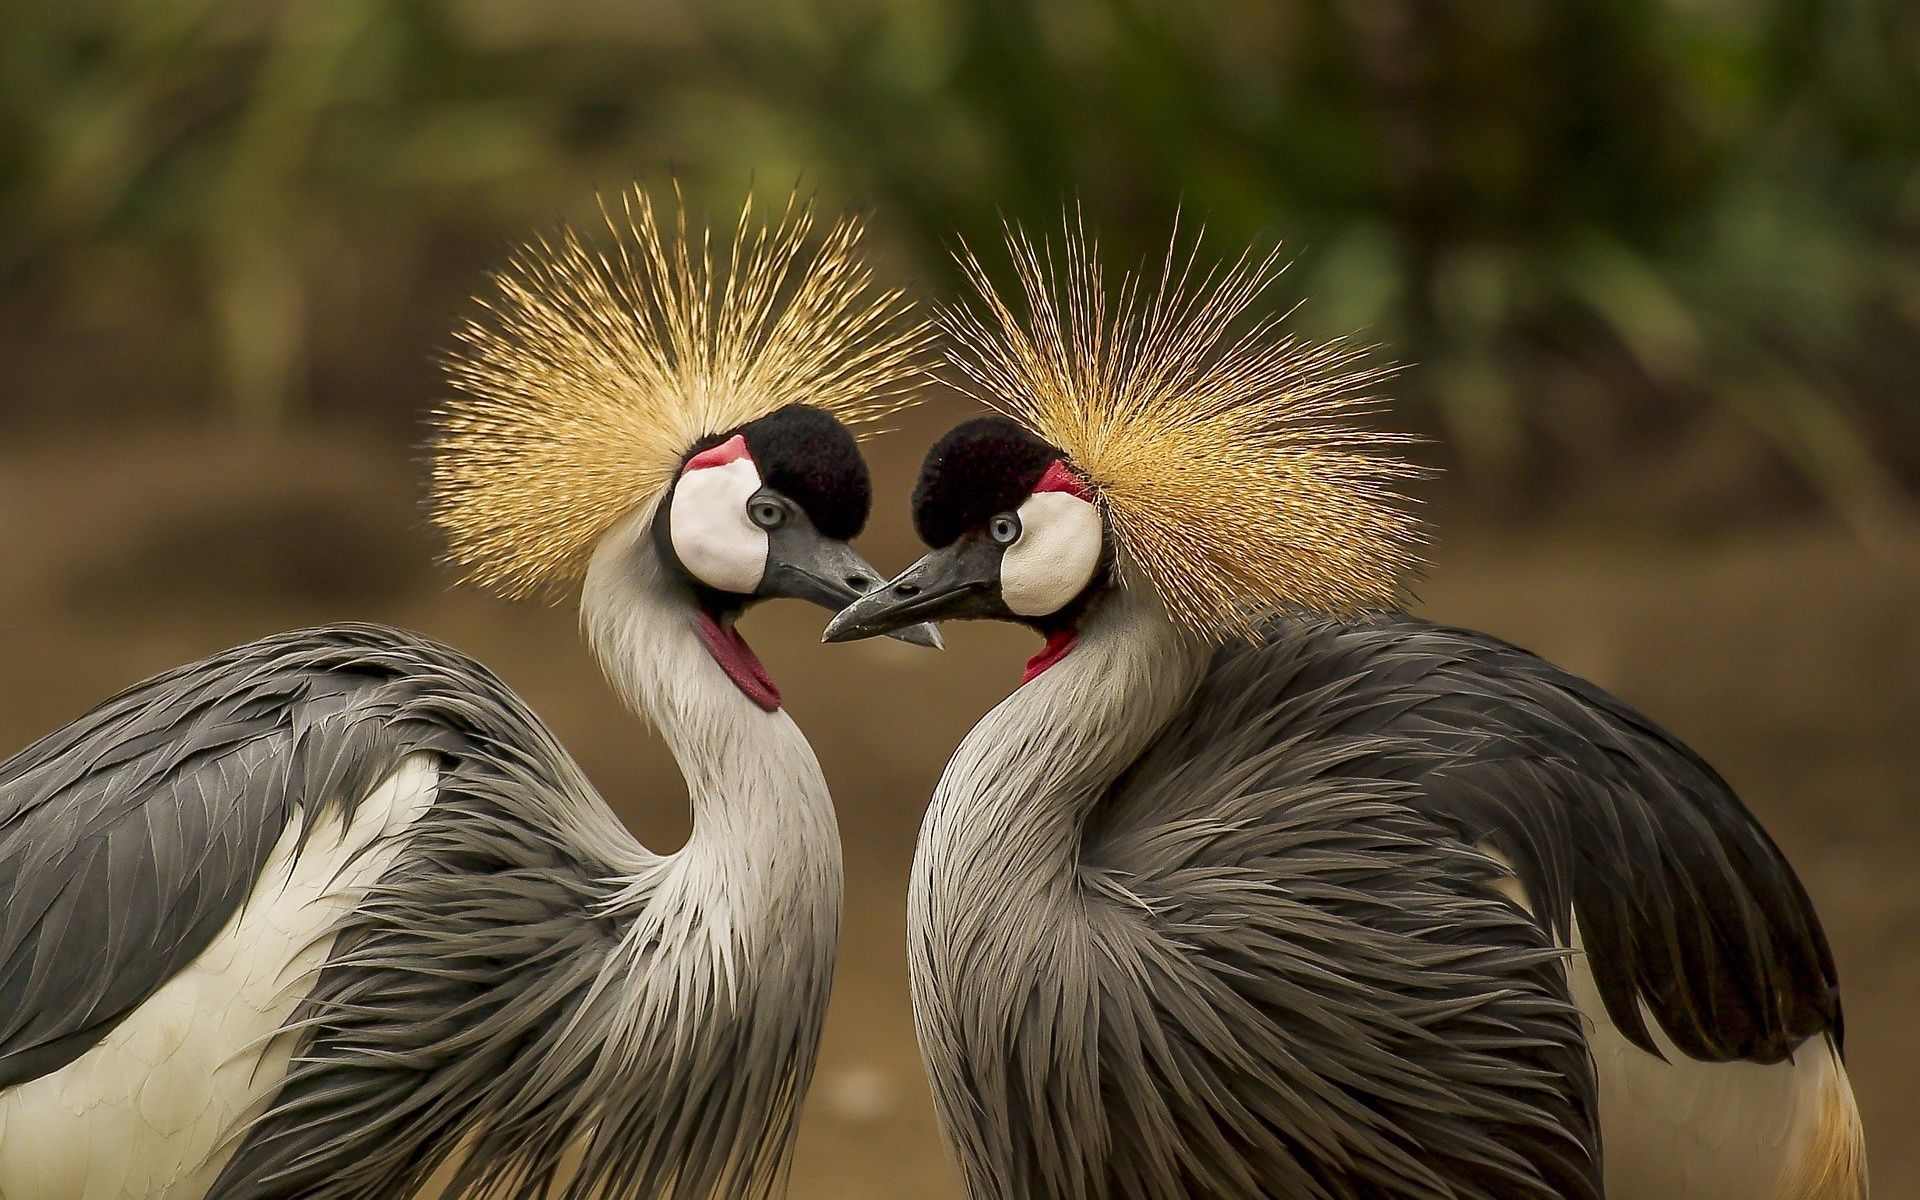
{"type": "Point", "coordinates": [1254, 887]}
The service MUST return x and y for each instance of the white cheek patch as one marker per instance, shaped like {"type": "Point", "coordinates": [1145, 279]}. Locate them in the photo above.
{"type": "Point", "coordinates": [711, 531]}
{"type": "Point", "coordinates": [1054, 560]}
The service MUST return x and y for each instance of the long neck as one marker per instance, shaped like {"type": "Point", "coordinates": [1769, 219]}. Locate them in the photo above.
{"type": "Point", "coordinates": [715, 993]}
{"type": "Point", "coordinates": [764, 840]}
{"type": "Point", "coordinates": [1008, 816]}
{"type": "Point", "coordinates": [997, 894]}
{"type": "Point", "coordinates": [1015, 796]}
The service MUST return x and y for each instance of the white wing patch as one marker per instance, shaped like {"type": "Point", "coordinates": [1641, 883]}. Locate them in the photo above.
{"type": "Point", "coordinates": [1685, 1129]}
{"type": "Point", "coordinates": [155, 1108]}
{"type": "Point", "coordinates": [1694, 1130]}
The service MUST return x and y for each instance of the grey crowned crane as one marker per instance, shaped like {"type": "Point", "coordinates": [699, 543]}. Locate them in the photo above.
{"type": "Point", "coordinates": [321, 914]}
{"type": "Point", "coordinates": [1258, 887]}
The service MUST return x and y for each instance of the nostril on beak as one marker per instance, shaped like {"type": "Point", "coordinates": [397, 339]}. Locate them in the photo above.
{"type": "Point", "coordinates": [859, 582]}
{"type": "Point", "coordinates": [906, 589]}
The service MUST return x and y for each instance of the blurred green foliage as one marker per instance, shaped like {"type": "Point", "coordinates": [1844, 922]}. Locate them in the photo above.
{"type": "Point", "coordinates": [1584, 223]}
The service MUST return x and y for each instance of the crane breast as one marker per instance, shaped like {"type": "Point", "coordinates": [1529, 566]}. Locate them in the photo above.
{"type": "Point", "coordinates": [155, 1107]}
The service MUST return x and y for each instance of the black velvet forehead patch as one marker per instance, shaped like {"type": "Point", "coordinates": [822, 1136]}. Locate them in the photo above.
{"type": "Point", "coordinates": [986, 466]}
{"type": "Point", "coordinates": [810, 458]}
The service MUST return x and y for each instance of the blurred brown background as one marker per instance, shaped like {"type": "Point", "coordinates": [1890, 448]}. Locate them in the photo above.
{"type": "Point", "coordinates": [1654, 266]}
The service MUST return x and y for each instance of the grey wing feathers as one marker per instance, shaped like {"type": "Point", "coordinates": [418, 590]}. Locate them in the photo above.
{"type": "Point", "coordinates": [129, 837]}
{"type": "Point", "coordinates": [477, 1007]}
{"type": "Point", "coordinates": [447, 1016]}
{"type": "Point", "coordinates": [1311, 912]}
{"type": "Point", "coordinates": [1684, 903]}
{"type": "Point", "coordinates": [1329, 999]}
{"type": "Point", "coordinates": [466, 1010]}
{"type": "Point", "coordinates": [442, 1023]}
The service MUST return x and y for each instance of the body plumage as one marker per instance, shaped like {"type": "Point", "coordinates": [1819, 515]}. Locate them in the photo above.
{"type": "Point", "coordinates": [330, 911]}
{"type": "Point", "coordinates": [1259, 937]}
{"type": "Point", "coordinates": [475, 996]}
{"type": "Point", "coordinates": [1258, 887]}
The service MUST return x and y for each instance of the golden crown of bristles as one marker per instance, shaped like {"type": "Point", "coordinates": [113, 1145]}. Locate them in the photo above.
{"type": "Point", "coordinates": [1226, 462]}
{"type": "Point", "coordinates": [597, 366]}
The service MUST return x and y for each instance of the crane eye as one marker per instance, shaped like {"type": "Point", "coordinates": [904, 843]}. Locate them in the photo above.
{"type": "Point", "coordinates": [1004, 529]}
{"type": "Point", "coordinates": [767, 514]}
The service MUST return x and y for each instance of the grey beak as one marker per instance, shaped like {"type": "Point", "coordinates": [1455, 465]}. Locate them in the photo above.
{"type": "Point", "coordinates": [807, 566]}
{"type": "Point", "coordinates": [923, 634]}
{"type": "Point", "coordinates": [958, 582]}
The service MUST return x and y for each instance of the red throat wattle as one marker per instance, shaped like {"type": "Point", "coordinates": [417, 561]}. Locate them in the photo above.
{"type": "Point", "coordinates": [1058, 643]}
{"type": "Point", "coordinates": [739, 661]}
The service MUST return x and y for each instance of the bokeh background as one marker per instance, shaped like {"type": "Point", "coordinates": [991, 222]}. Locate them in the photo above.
{"type": "Point", "coordinates": [1652, 266]}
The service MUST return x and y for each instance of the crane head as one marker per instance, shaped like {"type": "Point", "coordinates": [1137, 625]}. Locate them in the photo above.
{"type": "Point", "coordinates": [1157, 434]}
{"type": "Point", "coordinates": [1016, 534]}
{"type": "Point", "coordinates": [1152, 434]}
{"type": "Point", "coordinates": [766, 512]}
{"type": "Point", "coordinates": [604, 360]}
{"type": "Point", "coordinates": [637, 381]}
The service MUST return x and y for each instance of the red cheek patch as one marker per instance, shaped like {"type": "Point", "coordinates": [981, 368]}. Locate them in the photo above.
{"type": "Point", "coordinates": [732, 450]}
{"type": "Point", "coordinates": [1060, 478]}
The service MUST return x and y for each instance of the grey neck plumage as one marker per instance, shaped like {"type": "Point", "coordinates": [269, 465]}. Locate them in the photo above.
{"type": "Point", "coordinates": [719, 984]}
{"type": "Point", "coordinates": [763, 822]}
{"type": "Point", "coordinates": [1016, 792]}
{"type": "Point", "coordinates": [996, 905]}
